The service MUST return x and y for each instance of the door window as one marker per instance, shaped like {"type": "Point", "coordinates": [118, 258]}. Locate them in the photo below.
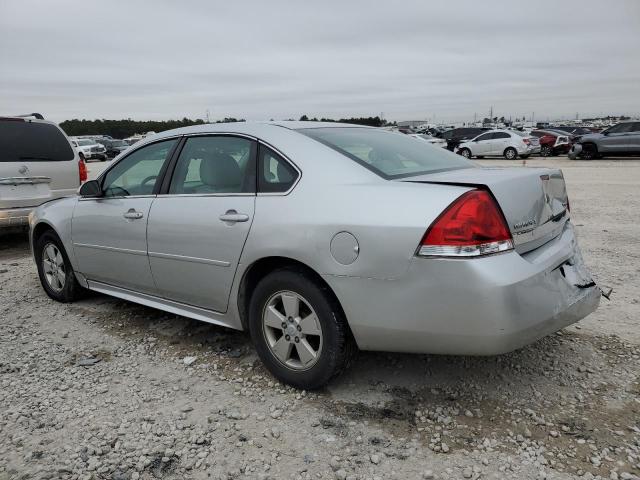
{"type": "Point", "coordinates": [275, 173]}
{"type": "Point", "coordinates": [484, 136]}
{"type": "Point", "coordinates": [138, 173]}
{"type": "Point", "coordinates": [215, 164]}
{"type": "Point", "coordinates": [499, 135]}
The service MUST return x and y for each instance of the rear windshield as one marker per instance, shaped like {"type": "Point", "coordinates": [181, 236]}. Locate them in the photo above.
{"type": "Point", "coordinates": [390, 155]}
{"type": "Point", "coordinates": [32, 142]}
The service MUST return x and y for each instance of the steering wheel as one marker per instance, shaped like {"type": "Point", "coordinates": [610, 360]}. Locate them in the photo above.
{"type": "Point", "coordinates": [148, 179]}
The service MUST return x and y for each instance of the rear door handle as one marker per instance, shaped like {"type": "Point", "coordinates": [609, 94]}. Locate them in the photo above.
{"type": "Point", "coordinates": [133, 215]}
{"type": "Point", "coordinates": [231, 216]}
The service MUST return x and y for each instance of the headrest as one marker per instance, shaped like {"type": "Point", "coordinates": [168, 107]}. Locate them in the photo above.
{"type": "Point", "coordinates": [220, 170]}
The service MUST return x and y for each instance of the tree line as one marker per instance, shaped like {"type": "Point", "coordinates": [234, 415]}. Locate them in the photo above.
{"type": "Point", "coordinates": [127, 127]}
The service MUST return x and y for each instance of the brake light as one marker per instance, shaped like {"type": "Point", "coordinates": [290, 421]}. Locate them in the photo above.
{"type": "Point", "coordinates": [471, 226]}
{"type": "Point", "coordinates": [526, 141]}
{"type": "Point", "coordinates": [82, 171]}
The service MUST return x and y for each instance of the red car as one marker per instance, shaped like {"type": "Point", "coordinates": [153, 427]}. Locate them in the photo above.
{"type": "Point", "coordinates": [553, 142]}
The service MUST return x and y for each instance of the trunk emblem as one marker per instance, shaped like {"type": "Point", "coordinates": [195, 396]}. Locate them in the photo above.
{"type": "Point", "coordinates": [525, 224]}
{"type": "Point", "coordinates": [23, 170]}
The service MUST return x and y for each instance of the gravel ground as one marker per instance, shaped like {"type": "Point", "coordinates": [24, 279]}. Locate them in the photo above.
{"type": "Point", "coordinates": [105, 389]}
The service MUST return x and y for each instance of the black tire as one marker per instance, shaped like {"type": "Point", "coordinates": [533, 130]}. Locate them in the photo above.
{"type": "Point", "coordinates": [71, 290]}
{"type": "Point", "coordinates": [510, 153]}
{"type": "Point", "coordinates": [465, 152]}
{"type": "Point", "coordinates": [589, 152]}
{"type": "Point", "coordinates": [546, 151]}
{"type": "Point", "coordinates": [338, 346]}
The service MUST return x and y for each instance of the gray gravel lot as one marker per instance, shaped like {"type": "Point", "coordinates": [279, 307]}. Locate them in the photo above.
{"type": "Point", "coordinates": [99, 389]}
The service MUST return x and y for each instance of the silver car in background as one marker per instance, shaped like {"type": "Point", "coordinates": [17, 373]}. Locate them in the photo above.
{"type": "Point", "coordinates": [320, 239]}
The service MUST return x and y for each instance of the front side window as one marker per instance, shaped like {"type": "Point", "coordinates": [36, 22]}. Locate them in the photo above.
{"type": "Point", "coordinates": [275, 174]}
{"type": "Point", "coordinates": [390, 155]}
{"type": "Point", "coordinates": [137, 174]}
{"type": "Point", "coordinates": [215, 164]}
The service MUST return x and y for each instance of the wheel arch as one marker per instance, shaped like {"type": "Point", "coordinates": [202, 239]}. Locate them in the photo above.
{"type": "Point", "coordinates": [261, 268]}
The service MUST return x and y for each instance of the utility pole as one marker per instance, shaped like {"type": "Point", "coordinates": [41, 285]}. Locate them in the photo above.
{"type": "Point", "coordinates": [207, 115]}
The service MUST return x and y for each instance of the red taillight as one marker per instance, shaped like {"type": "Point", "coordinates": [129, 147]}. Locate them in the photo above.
{"type": "Point", "coordinates": [473, 225]}
{"type": "Point", "coordinates": [82, 171]}
{"type": "Point", "coordinates": [526, 141]}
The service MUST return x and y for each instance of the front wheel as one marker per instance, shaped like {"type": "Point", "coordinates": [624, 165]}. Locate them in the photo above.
{"type": "Point", "coordinates": [54, 269]}
{"type": "Point", "coordinates": [589, 152]}
{"type": "Point", "coordinates": [465, 152]}
{"type": "Point", "coordinates": [510, 153]}
{"type": "Point", "coordinates": [298, 329]}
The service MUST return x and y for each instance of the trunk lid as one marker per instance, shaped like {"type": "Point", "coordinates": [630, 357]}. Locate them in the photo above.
{"type": "Point", "coordinates": [534, 200]}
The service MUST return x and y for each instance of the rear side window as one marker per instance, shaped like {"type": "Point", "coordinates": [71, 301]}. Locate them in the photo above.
{"type": "Point", "coordinates": [275, 174]}
{"type": "Point", "coordinates": [390, 155]}
{"type": "Point", "coordinates": [33, 142]}
{"type": "Point", "coordinates": [215, 165]}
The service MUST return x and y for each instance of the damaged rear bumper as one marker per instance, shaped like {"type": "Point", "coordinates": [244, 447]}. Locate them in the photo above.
{"type": "Point", "coordinates": [483, 306]}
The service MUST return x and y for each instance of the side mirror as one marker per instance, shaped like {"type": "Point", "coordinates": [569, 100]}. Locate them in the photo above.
{"type": "Point", "coordinates": [90, 189]}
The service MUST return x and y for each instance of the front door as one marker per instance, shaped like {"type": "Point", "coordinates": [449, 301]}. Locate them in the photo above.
{"type": "Point", "coordinates": [110, 233]}
{"type": "Point", "coordinates": [481, 144]}
{"type": "Point", "coordinates": [197, 229]}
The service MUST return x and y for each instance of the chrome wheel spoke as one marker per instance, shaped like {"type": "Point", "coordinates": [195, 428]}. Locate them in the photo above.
{"type": "Point", "coordinates": [48, 266]}
{"type": "Point", "coordinates": [61, 277]}
{"type": "Point", "coordinates": [291, 304]}
{"type": "Point", "coordinates": [273, 318]}
{"type": "Point", "coordinates": [59, 260]}
{"type": "Point", "coordinates": [282, 349]}
{"type": "Point", "coordinates": [51, 252]}
{"type": "Point", "coordinates": [310, 325]}
{"type": "Point", "coordinates": [306, 352]}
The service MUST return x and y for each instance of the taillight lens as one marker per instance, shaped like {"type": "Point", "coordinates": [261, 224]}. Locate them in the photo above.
{"type": "Point", "coordinates": [471, 226]}
{"type": "Point", "coordinates": [526, 141]}
{"type": "Point", "coordinates": [82, 171]}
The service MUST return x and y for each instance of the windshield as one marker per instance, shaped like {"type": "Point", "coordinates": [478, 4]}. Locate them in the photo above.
{"type": "Point", "coordinates": [522, 134]}
{"type": "Point", "coordinates": [84, 143]}
{"type": "Point", "coordinates": [390, 155]}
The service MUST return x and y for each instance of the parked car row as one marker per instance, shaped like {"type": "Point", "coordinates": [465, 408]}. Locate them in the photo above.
{"type": "Point", "coordinates": [510, 144]}
{"type": "Point", "coordinates": [89, 149]}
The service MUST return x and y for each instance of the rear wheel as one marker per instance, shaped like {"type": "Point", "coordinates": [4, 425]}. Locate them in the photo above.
{"type": "Point", "coordinates": [465, 152]}
{"type": "Point", "coordinates": [54, 269]}
{"type": "Point", "coordinates": [510, 153]}
{"type": "Point", "coordinates": [298, 329]}
{"type": "Point", "coordinates": [546, 151]}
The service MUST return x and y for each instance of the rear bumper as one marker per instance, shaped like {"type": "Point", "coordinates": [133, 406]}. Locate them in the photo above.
{"type": "Point", "coordinates": [13, 217]}
{"type": "Point", "coordinates": [483, 306]}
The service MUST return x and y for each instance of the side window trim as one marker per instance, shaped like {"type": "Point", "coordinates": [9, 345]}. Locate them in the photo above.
{"type": "Point", "coordinates": [101, 178]}
{"type": "Point", "coordinates": [173, 163]}
{"type": "Point", "coordinates": [287, 160]}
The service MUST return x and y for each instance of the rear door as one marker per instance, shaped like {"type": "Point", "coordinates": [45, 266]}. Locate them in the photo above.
{"type": "Point", "coordinates": [37, 163]}
{"type": "Point", "coordinates": [482, 144]}
{"type": "Point", "coordinates": [110, 233]}
{"type": "Point", "coordinates": [199, 223]}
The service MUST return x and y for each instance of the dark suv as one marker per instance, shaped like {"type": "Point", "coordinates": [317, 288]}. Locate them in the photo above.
{"type": "Point", "coordinates": [114, 147]}
{"type": "Point", "coordinates": [621, 139]}
{"type": "Point", "coordinates": [458, 135]}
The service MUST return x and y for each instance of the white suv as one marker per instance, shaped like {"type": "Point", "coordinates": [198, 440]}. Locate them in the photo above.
{"type": "Point", "coordinates": [88, 148]}
{"type": "Point", "coordinates": [507, 143]}
{"type": "Point", "coordinates": [37, 164]}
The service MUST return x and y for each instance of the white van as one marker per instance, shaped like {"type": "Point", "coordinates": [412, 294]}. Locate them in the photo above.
{"type": "Point", "coordinates": [37, 164]}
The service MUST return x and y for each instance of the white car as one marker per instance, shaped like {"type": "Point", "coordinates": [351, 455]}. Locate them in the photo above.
{"type": "Point", "coordinates": [435, 141]}
{"type": "Point", "coordinates": [89, 149]}
{"type": "Point", "coordinates": [37, 165]}
{"type": "Point", "coordinates": [507, 143]}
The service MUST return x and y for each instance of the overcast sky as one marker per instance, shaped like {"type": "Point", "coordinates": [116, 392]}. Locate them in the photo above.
{"type": "Point", "coordinates": [278, 59]}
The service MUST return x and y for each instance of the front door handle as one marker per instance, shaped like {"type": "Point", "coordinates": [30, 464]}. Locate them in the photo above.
{"type": "Point", "coordinates": [133, 215]}
{"type": "Point", "coordinates": [231, 216]}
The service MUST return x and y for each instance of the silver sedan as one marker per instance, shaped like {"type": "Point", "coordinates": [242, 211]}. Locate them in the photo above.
{"type": "Point", "coordinates": [322, 239]}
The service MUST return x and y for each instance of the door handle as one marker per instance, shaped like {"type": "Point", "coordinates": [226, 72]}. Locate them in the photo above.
{"type": "Point", "coordinates": [133, 215]}
{"type": "Point", "coordinates": [231, 216]}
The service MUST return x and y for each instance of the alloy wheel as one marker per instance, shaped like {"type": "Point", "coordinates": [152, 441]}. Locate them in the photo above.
{"type": "Point", "coordinates": [292, 330]}
{"type": "Point", "coordinates": [510, 154]}
{"type": "Point", "coordinates": [53, 267]}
